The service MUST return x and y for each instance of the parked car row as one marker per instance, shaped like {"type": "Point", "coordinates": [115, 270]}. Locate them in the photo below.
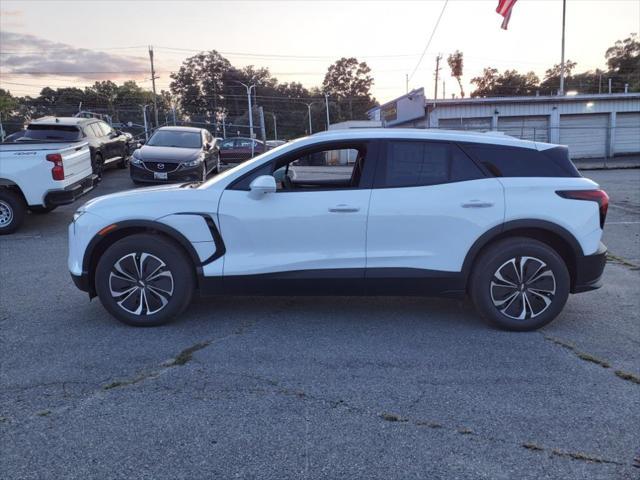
{"type": "Point", "coordinates": [55, 160]}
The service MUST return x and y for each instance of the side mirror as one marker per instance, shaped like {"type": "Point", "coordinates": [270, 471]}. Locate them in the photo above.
{"type": "Point", "coordinates": [262, 185]}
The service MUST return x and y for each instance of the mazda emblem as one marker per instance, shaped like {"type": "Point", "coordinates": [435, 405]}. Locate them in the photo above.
{"type": "Point", "coordinates": [161, 166]}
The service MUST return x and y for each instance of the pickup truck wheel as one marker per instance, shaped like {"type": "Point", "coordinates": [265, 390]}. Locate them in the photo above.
{"type": "Point", "coordinates": [124, 163]}
{"type": "Point", "coordinates": [519, 284]}
{"type": "Point", "coordinates": [12, 211]}
{"type": "Point", "coordinates": [144, 280]}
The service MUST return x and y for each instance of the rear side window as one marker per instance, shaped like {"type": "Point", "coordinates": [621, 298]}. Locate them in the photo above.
{"type": "Point", "coordinates": [55, 133]}
{"type": "Point", "coordinates": [415, 163]}
{"type": "Point", "coordinates": [504, 161]}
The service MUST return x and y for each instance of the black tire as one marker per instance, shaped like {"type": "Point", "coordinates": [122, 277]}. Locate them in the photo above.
{"type": "Point", "coordinates": [42, 209]}
{"type": "Point", "coordinates": [124, 163]}
{"type": "Point", "coordinates": [98, 165]}
{"type": "Point", "coordinates": [508, 302]}
{"type": "Point", "coordinates": [12, 211]}
{"type": "Point", "coordinates": [176, 288]}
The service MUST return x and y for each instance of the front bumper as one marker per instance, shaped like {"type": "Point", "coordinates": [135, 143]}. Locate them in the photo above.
{"type": "Point", "coordinates": [181, 174]}
{"type": "Point", "coordinates": [71, 192]}
{"type": "Point", "coordinates": [589, 268]}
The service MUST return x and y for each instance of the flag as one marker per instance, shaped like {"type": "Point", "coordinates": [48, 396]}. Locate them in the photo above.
{"type": "Point", "coordinates": [504, 8]}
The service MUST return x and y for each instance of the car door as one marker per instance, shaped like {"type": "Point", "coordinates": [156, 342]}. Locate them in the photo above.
{"type": "Point", "coordinates": [312, 229]}
{"type": "Point", "coordinates": [106, 139]}
{"type": "Point", "coordinates": [429, 204]}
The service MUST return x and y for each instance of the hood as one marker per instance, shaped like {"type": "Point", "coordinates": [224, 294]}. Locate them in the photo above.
{"type": "Point", "coordinates": [150, 203]}
{"type": "Point", "coordinates": [167, 154]}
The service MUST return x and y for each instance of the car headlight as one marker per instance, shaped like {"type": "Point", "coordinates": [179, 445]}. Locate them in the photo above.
{"type": "Point", "coordinates": [192, 163]}
{"type": "Point", "coordinates": [135, 160]}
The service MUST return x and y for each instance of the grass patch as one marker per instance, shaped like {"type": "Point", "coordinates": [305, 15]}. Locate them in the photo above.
{"type": "Point", "coordinates": [424, 423]}
{"type": "Point", "coordinates": [630, 377]}
{"type": "Point", "coordinates": [584, 457]}
{"type": "Point", "coordinates": [532, 446]}
{"type": "Point", "coordinates": [392, 417]}
{"type": "Point", "coordinates": [581, 355]}
{"type": "Point", "coordinates": [186, 355]}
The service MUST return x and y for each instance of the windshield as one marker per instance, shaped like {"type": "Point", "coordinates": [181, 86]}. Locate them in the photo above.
{"type": "Point", "coordinates": [65, 133]}
{"type": "Point", "coordinates": [175, 138]}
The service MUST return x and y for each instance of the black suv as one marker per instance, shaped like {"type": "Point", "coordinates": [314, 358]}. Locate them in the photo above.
{"type": "Point", "coordinates": [107, 145]}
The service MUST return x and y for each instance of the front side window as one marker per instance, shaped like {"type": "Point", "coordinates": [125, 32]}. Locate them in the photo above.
{"type": "Point", "coordinates": [329, 168]}
{"type": "Point", "coordinates": [416, 163]}
{"type": "Point", "coordinates": [175, 138]}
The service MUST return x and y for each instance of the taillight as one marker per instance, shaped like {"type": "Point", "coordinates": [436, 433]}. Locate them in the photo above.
{"type": "Point", "coordinates": [57, 172]}
{"type": "Point", "coordinates": [599, 196]}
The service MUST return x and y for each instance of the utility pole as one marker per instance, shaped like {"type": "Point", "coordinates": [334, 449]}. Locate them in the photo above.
{"type": "Point", "coordinates": [248, 88]}
{"type": "Point", "coordinates": [564, 11]}
{"type": "Point", "coordinates": [146, 128]}
{"type": "Point", "coordinates": [153, 85]}
{"type": "Point", "coordinates": [438, 58]}
{"type": "Point", "coordinates": [263, 130]}
{"type": "Point", "coordinates": [275, 125]}
{"type": "Point", "coordinates": [326, 102]}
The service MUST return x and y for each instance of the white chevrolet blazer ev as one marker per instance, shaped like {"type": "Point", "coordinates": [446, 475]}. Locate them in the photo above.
{"type": "Point", "coordinates": [355, 212]}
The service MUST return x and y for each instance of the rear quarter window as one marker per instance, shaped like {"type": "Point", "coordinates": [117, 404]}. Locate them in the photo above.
{"type": "Point", "coordinates": [504, 161]}
{"type": "Point", "coordinates": [54, 133]}
{"type": "Point", "coordinates": [417, 163]}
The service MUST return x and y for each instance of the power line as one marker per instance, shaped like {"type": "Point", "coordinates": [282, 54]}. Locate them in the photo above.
{"type": "Point", "coordinates": [433, 32]}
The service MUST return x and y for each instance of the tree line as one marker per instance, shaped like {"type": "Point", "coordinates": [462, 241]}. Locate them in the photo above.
{"type": "Point", "coordinates": [208, 90]}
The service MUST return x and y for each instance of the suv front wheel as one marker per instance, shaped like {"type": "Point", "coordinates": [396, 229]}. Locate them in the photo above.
{"type": "Point", "coordinates": [519, 284]}
{"type": "Point", "coordinates": [145, 280]}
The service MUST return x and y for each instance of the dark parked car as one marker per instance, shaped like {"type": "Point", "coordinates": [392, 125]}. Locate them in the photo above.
{"type": "Point", "coordinates": [237, 150]}
{"type": "Point", "coordinates": [107, 145]}
{"type": "Point", "coordinates": [175, 154]}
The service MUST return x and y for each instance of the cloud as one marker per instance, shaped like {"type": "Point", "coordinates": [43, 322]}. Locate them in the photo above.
{"type": "Point", "coordinates": [25, 55]}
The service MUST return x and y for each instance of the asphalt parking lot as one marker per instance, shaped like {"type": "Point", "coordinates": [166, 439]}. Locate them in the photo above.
{"type": "Point", "coordinates": [316, 387]}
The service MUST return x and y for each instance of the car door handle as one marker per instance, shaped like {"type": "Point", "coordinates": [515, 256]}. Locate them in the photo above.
{"type": "Point", "coordinates": [477, 204]}
{"type": "Point", "coordinates": [343, 209]}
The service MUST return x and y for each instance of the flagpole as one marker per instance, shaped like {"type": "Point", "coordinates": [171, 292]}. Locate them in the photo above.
{"type": "Point", "coordinates": [564, 12]}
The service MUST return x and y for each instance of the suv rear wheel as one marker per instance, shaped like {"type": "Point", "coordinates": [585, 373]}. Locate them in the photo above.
{"type": "Point", "coordinates": [144, 280]}
{"type": "Point", "coordinates": [519, 284]}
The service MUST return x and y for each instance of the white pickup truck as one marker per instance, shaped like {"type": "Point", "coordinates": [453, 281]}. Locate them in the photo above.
{"type": "Point", "coordinates": [41, 172]}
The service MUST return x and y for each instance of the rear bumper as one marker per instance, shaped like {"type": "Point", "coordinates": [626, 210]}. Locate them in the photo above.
{"type": "Point", "coordinates": [81, 281]}
{"type": "Point", "coordinates": [70, 193]}
{"type": "Point", "coordinates": [589, 270]}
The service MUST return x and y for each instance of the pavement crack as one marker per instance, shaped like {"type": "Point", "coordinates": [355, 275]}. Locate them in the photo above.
{"type": "Point", "coordinates": [611, 258]}
{"type": "Point", "coordinates": [581, 355]}
{"type": "Point", "coordinates": [555, 452]}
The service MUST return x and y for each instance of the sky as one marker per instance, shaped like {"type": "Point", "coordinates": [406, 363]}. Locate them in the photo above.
{"type": "Point", "coordinates": [298, 40]}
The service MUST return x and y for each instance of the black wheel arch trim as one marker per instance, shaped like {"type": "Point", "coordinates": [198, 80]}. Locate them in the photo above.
{"type": "Point", "coordinates": [87, 267]}
{"type": "Point", "coordinates": [498, 230]}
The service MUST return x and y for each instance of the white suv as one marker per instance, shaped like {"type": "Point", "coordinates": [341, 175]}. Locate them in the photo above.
{"type": "Point", "coordinates": [355, 212]}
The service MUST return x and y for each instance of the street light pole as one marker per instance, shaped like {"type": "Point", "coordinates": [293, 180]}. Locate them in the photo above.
{"type": "Point", "coordinates": [248, 88]}
{"type": "Point", "coordinates": [326, 102]}
{"type": "Point", "coordinates": [562, 69]}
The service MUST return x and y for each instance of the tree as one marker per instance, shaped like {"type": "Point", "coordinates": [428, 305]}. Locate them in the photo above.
{"type": "Point", "coordinates": [623, 60]}
{"type": "Point", "coordinates": [456, 63]}
{"type": "Point", "coordinates": [492, 83]}
{"type": "Point", "coordinates": [551, 82]}
{"type": "Point", "coordinates": [348, 81]}
{"type": "Point", "coordinates": [200, 84]}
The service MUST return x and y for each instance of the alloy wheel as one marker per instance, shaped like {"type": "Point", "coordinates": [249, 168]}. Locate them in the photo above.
{"type": "Point", "coordinates": [523, 287]}
{"type": "Point", "coordinates": [141, 283]}
{"type": "Point", "coordinates": [6, 213]}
